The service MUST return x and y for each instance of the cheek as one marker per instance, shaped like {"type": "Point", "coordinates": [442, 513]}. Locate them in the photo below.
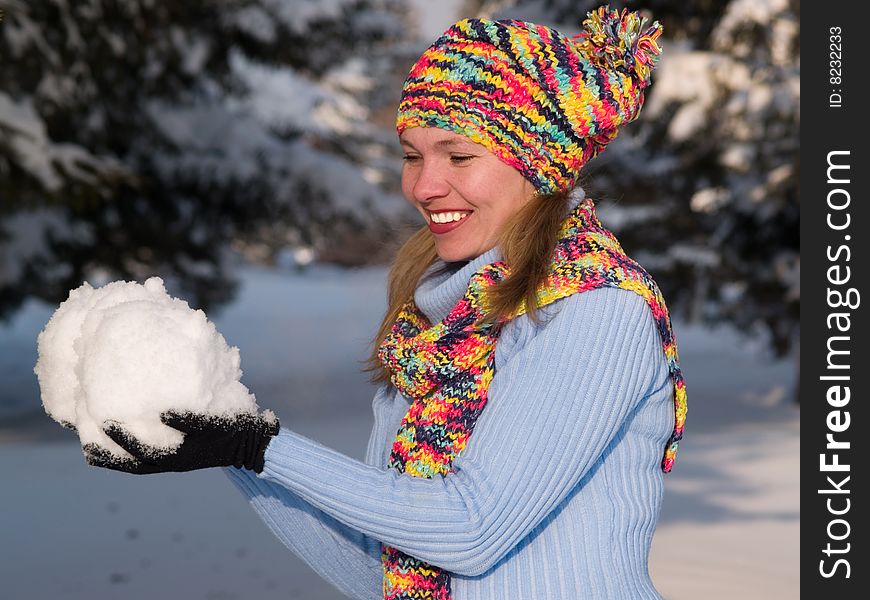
{"type": "Point", "coordinates": [407, 185]}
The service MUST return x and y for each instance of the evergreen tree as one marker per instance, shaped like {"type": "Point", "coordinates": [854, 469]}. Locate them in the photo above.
{"type": "Point", "coordinates": [139, 136]}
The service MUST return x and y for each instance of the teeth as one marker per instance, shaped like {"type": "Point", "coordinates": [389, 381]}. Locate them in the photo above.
{"type": "Point", "coordinates": [447, 217]}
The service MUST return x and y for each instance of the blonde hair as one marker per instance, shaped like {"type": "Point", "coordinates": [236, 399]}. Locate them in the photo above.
{"type": "Point", "coordinates": [526, 242]}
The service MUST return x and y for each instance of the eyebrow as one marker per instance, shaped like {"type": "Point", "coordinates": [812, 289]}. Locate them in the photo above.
{"type": "Point", "coordinates": [451, 143]}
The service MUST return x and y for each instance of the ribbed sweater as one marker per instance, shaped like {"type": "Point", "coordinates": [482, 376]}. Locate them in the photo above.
{"type": "Point", "coordinates": [556, 495]}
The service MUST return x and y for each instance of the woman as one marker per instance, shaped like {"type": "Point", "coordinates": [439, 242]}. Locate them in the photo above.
{"type": "Point", "coordinates": [527, 363]}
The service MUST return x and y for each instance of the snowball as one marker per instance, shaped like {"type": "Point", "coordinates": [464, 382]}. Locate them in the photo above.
{"type": "Point", "coordinates": [55, 367]}
{"type": "Point", "coordinates": [128, 352]}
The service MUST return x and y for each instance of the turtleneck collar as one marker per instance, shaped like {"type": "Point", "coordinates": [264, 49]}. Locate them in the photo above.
{"type": "Point", "coordinates": [444, 284]}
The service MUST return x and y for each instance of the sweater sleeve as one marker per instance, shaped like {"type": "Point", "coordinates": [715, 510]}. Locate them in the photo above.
{"type": "Point", "coordinates": [341, 555]}
{"type": "Point", "coordinates": [553, 409]}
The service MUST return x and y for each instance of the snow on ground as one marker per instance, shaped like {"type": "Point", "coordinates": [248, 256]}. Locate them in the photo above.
{"type": "Point", "coordinates": [730, 522]}
{"type": "Point", "coordinates": [729, 525]}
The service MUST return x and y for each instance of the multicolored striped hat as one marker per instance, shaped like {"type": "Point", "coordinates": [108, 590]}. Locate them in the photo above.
{"type": "Point", "coordinates": [542, 102]}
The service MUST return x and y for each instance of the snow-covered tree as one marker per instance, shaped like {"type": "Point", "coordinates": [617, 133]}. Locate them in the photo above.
{"type": "Point", "coordinates": [139, 136]}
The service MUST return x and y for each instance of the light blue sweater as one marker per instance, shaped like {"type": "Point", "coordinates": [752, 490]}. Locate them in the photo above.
{"type": "Point", "coordinates": [556, 495]}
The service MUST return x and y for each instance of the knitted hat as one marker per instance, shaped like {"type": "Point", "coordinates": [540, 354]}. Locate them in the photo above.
{"type": "Point", "coordinates": [544, 103]}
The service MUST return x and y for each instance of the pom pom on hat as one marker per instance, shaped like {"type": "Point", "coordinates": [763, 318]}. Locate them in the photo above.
{"type": "Point", "coordinates": [542, 102]}
{"type": "Point", "coordinates": [618, 41]}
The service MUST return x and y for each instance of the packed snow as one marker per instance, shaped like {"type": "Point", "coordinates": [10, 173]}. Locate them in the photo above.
{"type": "Point", "coordinates": [128, 352]}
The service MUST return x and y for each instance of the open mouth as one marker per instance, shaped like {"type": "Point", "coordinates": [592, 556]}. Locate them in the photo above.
{"type": "Point", "coordinates": [446, 217]}
{"type": "Point", "coordinates": [445, 221]}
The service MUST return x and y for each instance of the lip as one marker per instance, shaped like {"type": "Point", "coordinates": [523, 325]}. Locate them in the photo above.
{"type": "Point", "coordinates": [442, 228]}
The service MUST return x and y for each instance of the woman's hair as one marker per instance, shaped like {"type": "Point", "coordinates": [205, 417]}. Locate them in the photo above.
{"type": "Point", "coordinates": [527, 242]}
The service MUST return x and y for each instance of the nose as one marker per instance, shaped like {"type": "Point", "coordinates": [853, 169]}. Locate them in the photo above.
{"type": "Point", "coordinates": [428, 182]}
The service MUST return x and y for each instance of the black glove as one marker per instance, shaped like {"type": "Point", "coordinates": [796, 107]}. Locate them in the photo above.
{"type": "Point", "coordinates": [68, 425]}
{"type": "Point", "coordinates": [209, 441]}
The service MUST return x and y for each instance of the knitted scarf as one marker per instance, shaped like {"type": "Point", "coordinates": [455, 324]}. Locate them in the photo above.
{"type": "Point", "coordinates": [446, 369]}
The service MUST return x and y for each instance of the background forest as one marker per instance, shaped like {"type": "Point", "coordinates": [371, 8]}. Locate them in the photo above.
{"type": "Point", "coordinates": [141, 137]}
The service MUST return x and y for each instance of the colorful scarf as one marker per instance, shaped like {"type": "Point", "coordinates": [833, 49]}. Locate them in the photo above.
{"type": "Point", "coordinates": [446, 369]}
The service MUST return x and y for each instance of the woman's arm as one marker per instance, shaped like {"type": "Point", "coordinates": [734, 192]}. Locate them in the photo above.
{"type": "Point", "coordinates": [554, 407]}
{"type": "Point", "coordinates": [341, 555]}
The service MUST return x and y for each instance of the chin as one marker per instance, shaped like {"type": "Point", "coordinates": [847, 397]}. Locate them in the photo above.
{"type": "Point", "coordinates": [451, 258]}
{"type": "Point", "coordinates": [453, 255]}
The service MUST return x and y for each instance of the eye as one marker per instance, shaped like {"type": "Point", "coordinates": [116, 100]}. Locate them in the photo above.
{"type": "Point", "coordinates": [410, 158]}
{"type": "Point", "coordinates": [461, 158]}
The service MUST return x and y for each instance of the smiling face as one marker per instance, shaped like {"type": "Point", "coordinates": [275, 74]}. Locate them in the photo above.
{"type": "Point", "coordinates": [465, 193]}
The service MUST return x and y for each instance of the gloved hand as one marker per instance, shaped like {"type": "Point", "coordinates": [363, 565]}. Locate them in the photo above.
{"type": "Point", "coordinates": [68, 425]}
{"type": "Point", "coordinates": [208, 442]}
